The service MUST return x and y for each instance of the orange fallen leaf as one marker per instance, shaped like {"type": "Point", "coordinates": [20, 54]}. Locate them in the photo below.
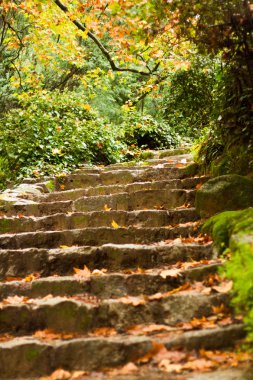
{"type": "Point", "coordinates": [9, 279]}
{"type": "Point", "coordinates": [103, 331]}
{"type": "Point", "coordinates": [156, 348]}
{"type": "Point", "coordinates": [148, 329]}
{"type": "Point", "coordinates": [158, 296]}
{"type": "Point", "coordinates": [134, 301]}
{"type": "Point", "coordinates": [32, 277]}
{"type": "Point", "coordinates": [125, 370]}
{"type": "Point", "coordinates": [49, 334]}
{"type": "Point", "coordinates": [220, 309]}
{"type": "Point", "coordinates": [62, 187]}
{"type": "Point", "coordinates": [83, 274]}
{"type": "Point", "coordinates": [198, 186]}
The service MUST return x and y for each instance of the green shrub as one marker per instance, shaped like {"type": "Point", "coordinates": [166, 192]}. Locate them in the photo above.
{"type": "Point", "coordinates": [52, 132]}
{"type": "Point", "coordinates": [233, 233]}
{"type": "Point", "coordinates": [143, 131]}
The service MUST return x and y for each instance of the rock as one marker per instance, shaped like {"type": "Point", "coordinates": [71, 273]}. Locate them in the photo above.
{"type": "Point", "coordinates": [228, 192]}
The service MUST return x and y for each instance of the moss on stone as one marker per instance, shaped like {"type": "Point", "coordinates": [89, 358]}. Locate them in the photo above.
{"type": "Point", "coordinates": [227, 224]}
{"type": "Point", "coordinates": [191, 170]}
{"type": "Point", "coordinates": [233, 230]}
{"type": "Point", "coordinates": [50, 186]}
{"type": "Point", "coordinates": [228, 192]}
{"type": "Point", "coordinates": [32, 352]}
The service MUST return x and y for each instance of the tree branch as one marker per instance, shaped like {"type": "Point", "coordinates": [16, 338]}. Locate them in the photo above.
{"type": "Point", "coordinates": [102, 48]}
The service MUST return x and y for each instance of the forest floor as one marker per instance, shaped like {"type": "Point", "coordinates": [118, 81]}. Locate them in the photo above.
{"type": "Point", "coordinates": [105, 274]}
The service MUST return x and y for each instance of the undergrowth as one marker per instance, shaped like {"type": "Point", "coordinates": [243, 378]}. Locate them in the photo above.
{"type": "Point", "coordinates": [51, 132]}
{"type": "Point", "coordinates": [232, 232]}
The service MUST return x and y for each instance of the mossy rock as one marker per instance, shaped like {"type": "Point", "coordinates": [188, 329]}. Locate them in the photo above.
{"type": "Point", "coordinates": [229, 226]}
{"type": "Point", "coordinates": [227, 192]}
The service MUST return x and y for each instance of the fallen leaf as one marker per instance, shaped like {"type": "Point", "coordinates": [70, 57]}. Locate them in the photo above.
{"type": "Point", "coordinates": [15, 300]}
{"type": "Point", "coordinates": [220, 309]}
{"type": "Point", "coordinates": [170, 273]}
{"type": "Point", "coordinates": [158, 296]}
{"type": "Point", "coordinates": [125, 370]}
{"type": "Point", "coordinates": [167, 366]}
{"type": "Point", "coordinates": [148, 329]}
{"type": "Point", "coordinates": [199, 365]}
{"type": "Point", "coordinates": [62, 187]}
{"type": "Point", "coordinates": [156, 347]}
{"type": "Point", "coordinates": [103, 331]}
{"type": "Point", "coordinates": [225, 287]}
{"type": "Point", "coordinates": [114, 224]}
{"type": "Point", "coordinates": [83, 274]}
{"type": "Point", "coordinates": [49, 334]}
{"type": "Point", "coordinates": [98, 272]}
{"type": "Point", "coordinates": [32, 277]}
{"type": "Point", "coordinates": [159, 207]}
{"type": "Point", "coordinates": [9, 279]}
{"type": "Point", "coordinates": [134, 301]}
{"type": "Point", "coordinates": [106, 208]}
{"type": "Point", "coordinates": [198, 186]}
{"type": "Point", "coordinates": [64, 246]}
{"type": "Point", "coordinates": [59, 374]}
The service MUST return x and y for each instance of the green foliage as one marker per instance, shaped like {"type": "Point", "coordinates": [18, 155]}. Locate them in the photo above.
{"type": "Point", "coordinates": [51, 132]}
{"type": "Point", "coordinates": [144, 131]}
{"type": "Point", "coordinates": [188, 99]}
{"type": "Point", "coordinates": [233, 233]}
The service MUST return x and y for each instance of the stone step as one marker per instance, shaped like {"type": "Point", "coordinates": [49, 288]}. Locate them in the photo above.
{"type": "Point", "coordinates": [60, 261]}
{"type": "Point", "coordinates": [29, 356]}
{"type": "Point", "coordinates": [139, 200]}
{"type": "Point", "coordinates": [155, 199]}
{"type": "Point", "coordinates": [147, 218]}
{"type": "Point", "coordinates": [187, 183]}
{"type": "Point", "coordinates": [107, 285]}
{"type": "Point", "coordinates": [94, 236]}
{"type": "Point", "coordinates": [118, 177]}
{"type": "Point", "coordinates": [81, 313]}
{"type": "Point", "coordinates": [31, 208]}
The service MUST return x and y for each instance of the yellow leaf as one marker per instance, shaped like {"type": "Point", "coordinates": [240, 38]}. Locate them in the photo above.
{"type": "Point", "coordinates": [114, 224]}
{"type": "Point", "coordinates": [106, 208]}
{"type": "Point", "coordinates": [87, 107]}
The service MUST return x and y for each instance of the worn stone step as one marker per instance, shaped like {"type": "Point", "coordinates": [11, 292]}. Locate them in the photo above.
{"type": "Point", "coordinates": [31, 208]}
{"type": "Point", "coordinates": [107, 285]}
{"type": "Point", "coordinates": [187, 183]}
{"type": "Point", "coordinates": [74, 315]}
{"type": "Point", "coordinates": [146, 218]}
{"type": "Point", "coordinates": [60, 261]}
{"type": "Point", "coordinates": [216, 338]}
{"type": "Point", "coordinates": [94, 236]}
{"type": "Point", "coordinates": [30, 356]}
{"type": "Point", "coordinates": [118, 176]}
{"type": "Point", "coordinates": [155, 199]}
{"type": "Point", "coordinates": [139, 200]}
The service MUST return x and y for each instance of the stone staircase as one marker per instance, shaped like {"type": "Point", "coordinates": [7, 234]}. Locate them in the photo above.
{"type": "Point", "coordinates": [87, 258]}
